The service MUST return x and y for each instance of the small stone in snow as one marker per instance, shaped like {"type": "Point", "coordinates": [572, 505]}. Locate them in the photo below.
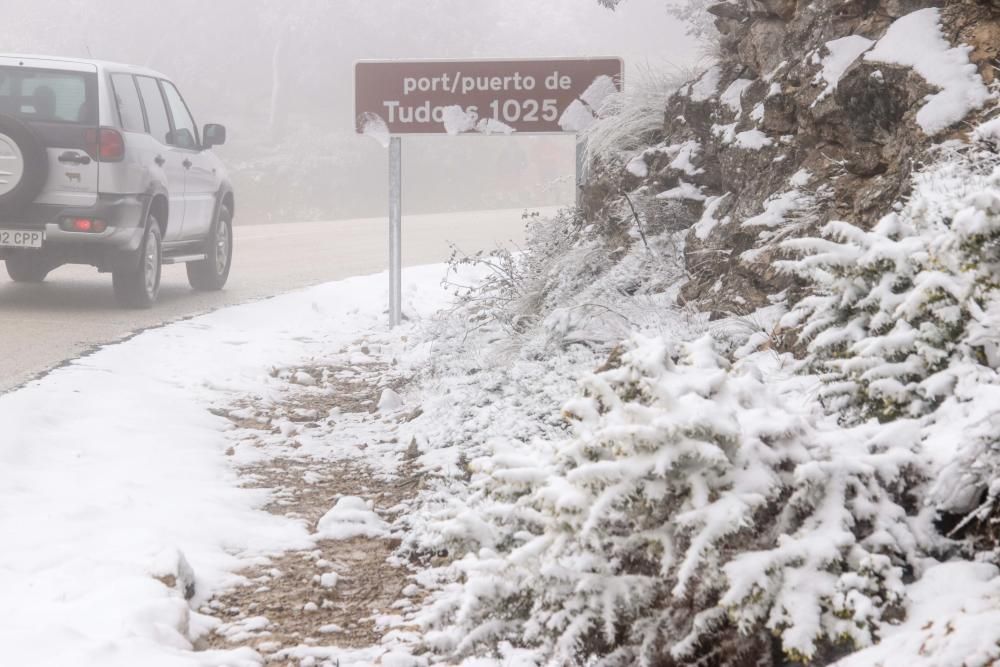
{"type": "Point", "coordinates": [310, 607]}
{"type": "Point", "coordinates": [390, 401]}
{"type": "Point", "coordinates": [304, 379]}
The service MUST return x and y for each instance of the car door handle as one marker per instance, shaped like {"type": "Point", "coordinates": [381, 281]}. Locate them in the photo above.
{"type": "Point", "coordinates": [72, 157]}
{"type": "Point", "coordinates": [187, 164]}
{"type": "Point", "coordinates": [159, 160]}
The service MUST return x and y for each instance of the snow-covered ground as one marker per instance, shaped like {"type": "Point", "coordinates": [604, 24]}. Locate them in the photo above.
{"type": "Point", "coordinates": [113, 471]}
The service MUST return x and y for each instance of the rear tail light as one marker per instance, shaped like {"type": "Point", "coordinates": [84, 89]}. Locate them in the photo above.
{"type": "Point", "coordinates": [106, 145]}
{"type": "Point", "coordinates": [83, 225]}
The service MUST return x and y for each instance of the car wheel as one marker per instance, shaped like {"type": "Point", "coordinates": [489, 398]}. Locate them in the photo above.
{"type": "Point", "coordinates": [138, 285]}
{"type": "Point", "coordinates": [212, 272]}
{"type": "Point", "coordinates": [25, 268]}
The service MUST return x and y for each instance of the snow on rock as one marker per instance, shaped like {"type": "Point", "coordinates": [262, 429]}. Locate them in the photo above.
{"type": "Point", "coordinates": [842, 53]}
{"type": "Point", "coordinates": [681, 156]}
{"type": "Point", "coordinates": [174, 570]}
{"type": "Point", "coordinates": [703, 228]}
{"type": "Point", "coordinates": [351, 517]}
{"type": "Point", "coordinates": [683, 191]}
{"type": "Point", "coordinates": [706, 86]}
{"type": "Point", "coordinates": [916, 41]}
{"type": "Point", "coordinates": [801, 178]}
{"type": "Point", "coordinates": [777, 209]}
{"type": "Point", "coordinates": [732, 96]}
{"type": "Point", "coordinates": [752, 140]}
{"type": "Point", "coordinates": [637, 166]}
{"type": "Point", "coordinates": [329, 579]}
{"type": "Point", "coordinates": [374, 127]}
{"type": "Point", "coordinates": [725, 133]}
{"type": "Point", "coordinates": [749, 139]}
{"type": "Point", "coordinates": [686, 152]}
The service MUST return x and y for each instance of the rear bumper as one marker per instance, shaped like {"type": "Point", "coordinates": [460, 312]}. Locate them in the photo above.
{"type": "Point", "coordinates": [124, 216]}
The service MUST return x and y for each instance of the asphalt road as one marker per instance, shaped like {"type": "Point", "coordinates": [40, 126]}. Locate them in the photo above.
{"type": "Point", "coordinates": [74, 310]}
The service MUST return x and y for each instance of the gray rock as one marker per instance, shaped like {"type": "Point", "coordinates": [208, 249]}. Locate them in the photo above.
{"type": "Point", "coordinates": [860, 142]}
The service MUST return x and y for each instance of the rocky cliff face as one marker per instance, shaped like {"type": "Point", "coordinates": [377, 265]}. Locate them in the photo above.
{"type": "Point", "coordinates": [814, 111]}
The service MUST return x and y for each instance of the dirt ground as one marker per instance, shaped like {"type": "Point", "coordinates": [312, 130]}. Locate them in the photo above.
{"type": "Point", "coordinates": [346, 593]}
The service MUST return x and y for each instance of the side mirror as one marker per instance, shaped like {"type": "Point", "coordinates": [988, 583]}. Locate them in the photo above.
{"type": "Point", "coordinates": [214, 135]}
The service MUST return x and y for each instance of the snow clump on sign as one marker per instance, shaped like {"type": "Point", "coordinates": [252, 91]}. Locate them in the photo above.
{"type": "Point", "coordinates": [374, 127]}
{"type": "Point", "coordinates": [457, 120]}
{"type": "Point", "coordinates": [577, 117]}
{"type": "Point", "coordinates": [493, 126]}
{"type": "Point", "coordinates": [598, 93]}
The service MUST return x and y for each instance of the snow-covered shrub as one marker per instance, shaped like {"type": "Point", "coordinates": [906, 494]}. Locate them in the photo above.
{"type": "Point", "coordinates": [694, 513]}
{"type": "Point", "coordinates": [900, 312]}
{"type": "Point", "coordinates": [905, 323]}
{"type": "Point", "coordinates": [577, 282]}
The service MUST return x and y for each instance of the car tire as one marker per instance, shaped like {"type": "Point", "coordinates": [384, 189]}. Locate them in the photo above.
{"type": "Point", "coordinates": [211, 273]}
{"type": "Point", "coordinates": [138, 285]}
{"type": "Point", "coordinates": [24, 158]}
{"type": "Point", "coordinates": [25, 268]}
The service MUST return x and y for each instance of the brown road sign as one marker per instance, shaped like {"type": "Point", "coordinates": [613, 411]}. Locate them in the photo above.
{"type": "Point", "coordinates": [489, 96]}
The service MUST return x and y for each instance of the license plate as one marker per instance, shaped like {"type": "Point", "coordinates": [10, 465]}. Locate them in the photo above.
{"type": "Point", "coordinates": [13, 238]}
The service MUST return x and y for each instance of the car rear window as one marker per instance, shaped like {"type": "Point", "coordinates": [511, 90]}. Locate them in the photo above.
{"type": "Point", "coordinates": [48, 96]}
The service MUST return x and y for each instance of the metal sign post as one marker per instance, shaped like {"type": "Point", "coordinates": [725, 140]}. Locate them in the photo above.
{"type": "Point", "coordinates": [395, 231]}
{"type": "Point", "coordinates": [500, 97]}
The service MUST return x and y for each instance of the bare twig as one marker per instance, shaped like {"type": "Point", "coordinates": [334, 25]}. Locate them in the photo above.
{"type": "Point", "coordinates": [638, 222]}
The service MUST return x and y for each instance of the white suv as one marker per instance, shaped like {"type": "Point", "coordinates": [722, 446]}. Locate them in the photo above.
{"type": "Point", "coordinates": [103, 164]}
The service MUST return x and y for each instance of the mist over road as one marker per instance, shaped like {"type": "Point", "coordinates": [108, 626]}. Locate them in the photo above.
{"type": "Point", "coordinates": [74, 309]}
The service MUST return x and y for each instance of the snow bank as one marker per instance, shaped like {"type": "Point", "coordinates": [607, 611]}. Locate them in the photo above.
{"type": "Point", "coordinates": [113, 465]}
{"type": "Point", "coordinates": [916, 41]}
{"type": "Point", "coordinates": [952, 620]}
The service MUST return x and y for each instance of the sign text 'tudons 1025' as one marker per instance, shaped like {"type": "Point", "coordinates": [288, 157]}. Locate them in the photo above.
{"type": "Point", "coordinates": [488, 96]}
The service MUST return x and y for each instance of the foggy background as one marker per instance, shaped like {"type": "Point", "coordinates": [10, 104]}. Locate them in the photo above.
{"type": "Point", "coordinates": [279, 75]}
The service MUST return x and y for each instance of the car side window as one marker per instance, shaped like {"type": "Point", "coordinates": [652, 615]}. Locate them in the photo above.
{"type": "Point", "coordinates": [156, 110]}
{"type": "Point", "coordinates": [185, 134]}
{"type": "Point", "coordinates": [129, 105]}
